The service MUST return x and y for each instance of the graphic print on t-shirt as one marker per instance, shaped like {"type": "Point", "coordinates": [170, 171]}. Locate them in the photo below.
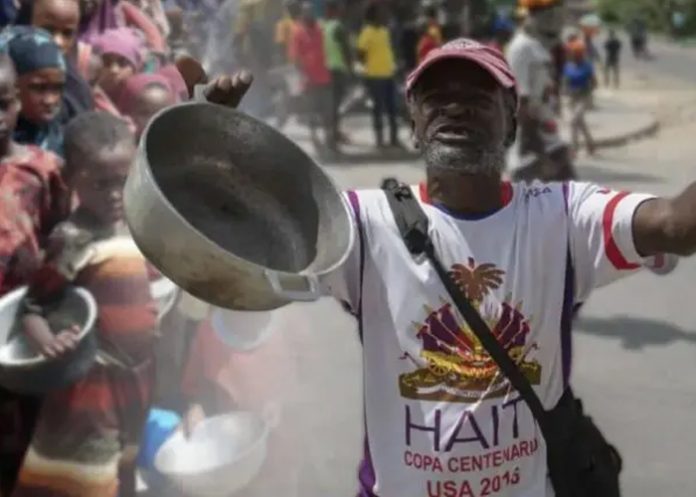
{"type": "Point", "coordinates": [453, 365]}
{"type": "Point", "coordinates": [441, 420]}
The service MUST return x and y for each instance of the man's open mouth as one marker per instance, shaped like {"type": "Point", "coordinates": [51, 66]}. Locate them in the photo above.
{"type": "Point", "coordinates": [454, 134]}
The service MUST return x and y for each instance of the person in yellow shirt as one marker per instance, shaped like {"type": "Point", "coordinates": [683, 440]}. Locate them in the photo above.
{"type": "Point", "coordinates": [377, 55]}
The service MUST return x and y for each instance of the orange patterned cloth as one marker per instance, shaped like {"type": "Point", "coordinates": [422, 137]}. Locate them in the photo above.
{"type": "Point", "coordinates": [33, 199]}
{"type": "Point", "coordinates": [87, 432]}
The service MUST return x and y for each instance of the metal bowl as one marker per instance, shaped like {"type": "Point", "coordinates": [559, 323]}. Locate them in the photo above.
{"type": "Point", "coordinates": [222, 456]}
{"type": "Point", "coordinates": [22, 368]}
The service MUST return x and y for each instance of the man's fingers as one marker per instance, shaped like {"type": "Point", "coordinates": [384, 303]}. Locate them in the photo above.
{"type": "Point", "coordinates": [229, 90]}
{"type": "Point", "coordinates": [246, 77]}
{"type": "Point", "coordinates": [241, 86]}
{"type": "Point", "coordinates": [57, 348]}
{"type": "Point", "coordinates": [68, 340]}
{"type": "Point", "coordinates": [223, 85]}
{"type": "Point", "coordinates": [218, 90]}
{"type": "Point", "coordinates": [49, 352]}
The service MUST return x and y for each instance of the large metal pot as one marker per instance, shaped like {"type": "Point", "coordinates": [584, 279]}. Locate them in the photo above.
{"type": "Point", "coordinates": [22, 368]}
{"type": "Point", "coordinates": [232, 211]}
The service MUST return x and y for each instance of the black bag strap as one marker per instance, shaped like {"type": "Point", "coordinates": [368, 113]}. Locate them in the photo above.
{"type": "Point", "coordinates": [413, 226]}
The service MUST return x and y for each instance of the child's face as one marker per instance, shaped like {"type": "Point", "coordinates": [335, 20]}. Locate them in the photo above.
{"type": "Point", "coordinates": [9, 104]}
{"type": "Point", "coordinates": [41, 93]}
{"type": "Point", "coordinates": [99, 185]}
{"type": "Point", "coordinates": [60, 18]}
{"type": "Point", "coordinates": [115, 70]}
{"type": "Point", "coordinates": [152, 100]}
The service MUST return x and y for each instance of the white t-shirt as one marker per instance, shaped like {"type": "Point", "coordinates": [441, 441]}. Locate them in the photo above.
{"type": "Point", "coordinates": [441, 420]}
{"type": "Point", "coordinates": [530, 62]}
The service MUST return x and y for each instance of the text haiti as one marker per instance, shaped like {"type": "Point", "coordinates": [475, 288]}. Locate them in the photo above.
{"type": "Point", "coordinates": [467, 429]}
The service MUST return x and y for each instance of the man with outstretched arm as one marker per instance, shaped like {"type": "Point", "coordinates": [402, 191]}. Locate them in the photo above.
{"type": "Point", "coordinates": [440, 418]}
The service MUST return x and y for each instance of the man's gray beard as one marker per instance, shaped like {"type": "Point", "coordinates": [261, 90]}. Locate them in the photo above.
{"type": "Point", "coordinates": [469, 161]}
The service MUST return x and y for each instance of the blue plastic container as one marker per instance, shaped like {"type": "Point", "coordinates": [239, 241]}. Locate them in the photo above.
{"type": "Point", "coordinates": [159, 427]}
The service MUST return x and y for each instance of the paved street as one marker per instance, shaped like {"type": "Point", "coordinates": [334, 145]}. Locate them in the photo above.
{"type": "Point", "coordinates": [636, 340]}
{"type": "Point", "coordinates": [635, 344]}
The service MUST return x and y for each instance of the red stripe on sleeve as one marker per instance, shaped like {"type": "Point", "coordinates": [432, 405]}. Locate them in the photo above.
{"type": "Point", "coordinates": [611, 248]}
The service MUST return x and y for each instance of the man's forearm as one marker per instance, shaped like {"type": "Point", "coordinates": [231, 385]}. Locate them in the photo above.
{"type": "Point", "coordinates": [681, 229]}
{"type": "Point", "coordinates": [667, 225]}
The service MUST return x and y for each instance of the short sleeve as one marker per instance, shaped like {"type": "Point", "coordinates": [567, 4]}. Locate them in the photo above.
{"type": "Point", "coordinates": [364, 40]}
{"type": "Point", "coordinates": [601, 235]}
{"type": "Point", "coordinates": [345, 283]}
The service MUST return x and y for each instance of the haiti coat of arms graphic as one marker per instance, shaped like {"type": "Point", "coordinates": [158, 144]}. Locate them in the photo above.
{"type": "Point", "coordinates": [452, 365]}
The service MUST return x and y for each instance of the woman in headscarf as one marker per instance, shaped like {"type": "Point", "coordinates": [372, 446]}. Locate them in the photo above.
{"type": "Point", "coordinates": [121, 53]}
{"type": "Point", "coordinates": [41, 68]}
{"type": "Point", "coordinates": [102, 102]}
{"type": "Point", "coordinates": [61, 19]}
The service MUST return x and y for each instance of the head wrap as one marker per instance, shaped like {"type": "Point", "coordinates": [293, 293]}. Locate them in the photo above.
{"type": "Point", "coordinates": [121, 41]}
{"type": "Point", "coordinates": [136, 84]}
{"type": "Point", "coordinates": [31, 49]}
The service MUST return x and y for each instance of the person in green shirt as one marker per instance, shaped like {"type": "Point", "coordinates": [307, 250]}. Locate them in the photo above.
{"type": "Point", "coordinates": [339, 61]}
{"type": "Point", "coordinates": [377, 55]}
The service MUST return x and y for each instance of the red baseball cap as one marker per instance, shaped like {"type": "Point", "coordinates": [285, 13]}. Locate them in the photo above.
{"type": "Point", "coordinates": [489, 58]}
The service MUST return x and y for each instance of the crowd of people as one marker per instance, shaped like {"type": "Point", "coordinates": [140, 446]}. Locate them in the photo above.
{"type": "Point", "coordinates": [331, 54]}
{"type": "Point", "coordinates": [79, 82]}
{"type": "Point", "coordinates": [326, 53]}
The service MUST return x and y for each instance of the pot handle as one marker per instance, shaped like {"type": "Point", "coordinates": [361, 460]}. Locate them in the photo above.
{"type": "Point", "coordinates": [198, 95]}
{"type": "Point", "coordinates": [308, 290]}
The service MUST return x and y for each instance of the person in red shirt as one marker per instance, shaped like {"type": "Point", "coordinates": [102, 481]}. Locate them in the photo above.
{"type": "Point", "coordinates": [308, 55]}
{"type": "Point", "coordinates": [428, 40]}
